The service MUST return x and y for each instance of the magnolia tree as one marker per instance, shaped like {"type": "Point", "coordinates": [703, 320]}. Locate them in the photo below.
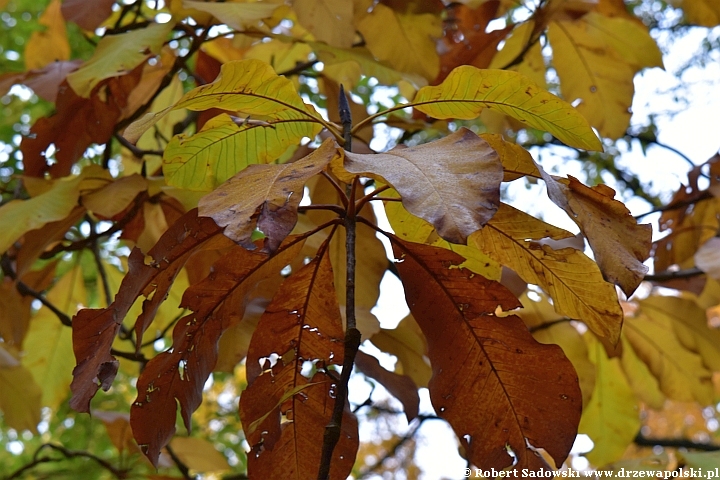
{"type": "Point", "coordinates": [189, 219]}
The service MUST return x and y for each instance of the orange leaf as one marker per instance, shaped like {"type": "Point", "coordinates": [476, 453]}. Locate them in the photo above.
{"type": "Point", "coordinates": [619, 243]}
{"type": "Point", "coordinates": [494, 384]}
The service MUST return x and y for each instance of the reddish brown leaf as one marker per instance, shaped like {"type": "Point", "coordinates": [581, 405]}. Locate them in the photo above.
{"type": "Point", "coordinates": [465, 40]}
{"type": "Point", "coordinates": [400, 386]}
{"type": "Point", "coordinates": [88, 14]}
{"type": "Point", "coordinates": [91, 120]}
{"type": "Point", "coordinates": [180, 373]}
{"type": "Point", "coordinates": [95, 329]}
{"type": "Point", "coordinates": [492, 381]}
{"type": "Point", "coordinates": [276, 190]}
{"type": "Point", "coordinates": [45, 81]}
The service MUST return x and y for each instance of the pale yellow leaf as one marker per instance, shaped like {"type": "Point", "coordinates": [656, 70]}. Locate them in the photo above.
{"type": "Point", "coordinates": [611, 420]}
{"type": "Point", "coordinates": [404, 40]}
{"type": "Point", "coordinates": [330, 21]}
{"type": "Point", "coordinates": [19, 398]}
{"type": "Point", "coordinates": [199, 454]}
{"type": "Point", "coordinates": [51, 43]}
{"type": "Point", "coordinates": [707, 258]}
{"type": "Point", "coordinates": [116, 196]}
{"type": "Point", "coordinates": [237, 15]}
{"type": "Point", "coordinates": [532, 64]}
{"type": "Point", "coordinates": [640, 379]}
{"type": "Point", "coordinates": [116, 55]}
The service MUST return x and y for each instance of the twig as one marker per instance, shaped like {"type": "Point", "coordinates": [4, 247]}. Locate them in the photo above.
{"type": "Point", "coordinates": [24, 289]}
{"type": "Point", "coordinates": [394, 449]}
{"type": "Point", "coordinates": [137, 152]}
{"type": "Point", "coordinates": [95, 249]}
{"type": "Point", "coordinates": [179, 463]}
{"type": "Point", "coordinates": [644, 441]}
{"type": "Point", "coordinates": [116, 472]}
{"type": "Point", "coordinates": [704, 195]}
{"type": "Point", "coordinates": [674, 275]}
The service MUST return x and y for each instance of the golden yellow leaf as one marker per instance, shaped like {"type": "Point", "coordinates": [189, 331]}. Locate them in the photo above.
{"type": "Point", "coordinates": [330, 21]}
{"type": "Point", "coordinates": [237, 15]}
{"type": "Point", "coordinates": [199, 454]}
{"type": "Point", "coordinates": [572, 280]}
{"type": "Point", "coordinates": [281, 55]}
{"type": "Point", "coordinates": [453, 183]}
{"type": "Point", "coordinates": [116, 196]}
{"type": "Point", "coordinates": [19, 397]}
{"type": "Point", "coordinates": [50, 44]}
{"type": "Point", "coordinates": [407, 343]}
{"type": "Point", "coordinates": [700, 12]}
{"type": "Point", "coordinates": [116, 55]}
{"type": "Point", "coordinates": [404, 40]}
{"type": "Point", "coordinates": [611, 419]}
{"type": "Point", "coordinates": [532, 64]}
{"type": "Point", "coordinates": [679, 371]}
{"type": "Point", "coordinates": [619, 243]}
{"type": "Point", "coordinates": [596, 58]}
{"type": "Point", "coordinates": [516, 161]}
{"type": "Point", "coordinates": [467, 91]}
{"type": "Point", "coordinates": [640, 379]}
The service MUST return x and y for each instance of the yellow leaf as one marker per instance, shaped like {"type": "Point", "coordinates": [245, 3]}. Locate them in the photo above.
{"type": "Point", "coordinates": [51, 44]}
{"type": "Point", "coordinates": [281, 55]}
{"type": "Point", "coordinates": [611, 419]}
{"type": "Point", "coordinates": [516, 161]}
{"type": "Point", "coordinates": [467, 90]}
{"type": "Point", "coordinates": [707, 460]}
{"type": "Point", "coordinates": [19, 397]}
{"type": "Point", "coordinates": [679, 371]}
{"type": "Point", "coordinates": [453, 183]}
{"type": "Point", "coordinates": [116, 55]}
{"type": "Point", "coordinates": [596, 58]}
{"type": "Point", "coordinates": [572, 280]}
{"type": "Point", "coordinates": [404, 40]}
{"type": "Point", "coordinates": [118, 429]}
{"type": "Point", "coordinates": [700, 12]}
{"type": "Point", "coordinates": [407, 343]}
{"type": "Point", "coordinates": [116, 196]}
{"type": "Point", "coordinates": [707, 258]}
{"type": "Point", "coordinates": [532, 64]}
{"type": "Point", "coordinates": [640, 379]}
{"type": "Point", "coordinates": [620, 244]}
{"type": "Point", "coordinates": [199, 454]}
{"type": "Point", "coordinates": [237, 15]}
{"type": "Point", "coordinates": [330, 21]}
{"type": "Point", "coordinates": [18, 217]}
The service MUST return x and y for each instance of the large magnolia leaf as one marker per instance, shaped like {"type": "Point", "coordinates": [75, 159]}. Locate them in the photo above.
{"type": "Point", "coordinates": [596, 58]}
{"type": "Point", "coordinates": [177, 375]}
{"type": "Point", "coordinates": [619, 243]}
{"type": "Point", "coordinates": [496, 386]}
{"type": "Point", "coordinates": [19, 395]}
{"type": "Point", "coordinates": [453, 183]}
{"type": "Point", "coordinates": [51, 44]}
{"type": "Point", "coordinates": [274, 189]}
{"type": "Point", "coordinates": [151, 276]}
{"type": "Point", "coordinates": [572, 280]}
{"type": "Point", "coordinates": [330, 21]}
{"type": "Point", "coordinates": [404, 40]}
{"type": "Point", "coordinates": [302, 324]}
{"type": "Point", "coordinates": [237, 15]}
{"type": "Point", "coordinates": [467, 90]}
{"type": "Point", "coordinates": [612, 418]}
{"type": "Point", "coordinates": [116, 55]}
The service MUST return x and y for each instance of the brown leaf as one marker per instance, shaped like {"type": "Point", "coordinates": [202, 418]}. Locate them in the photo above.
{"type": "Point", "coordinates": [619, 243]}
{"type": "Point", "coordinates": [453, 183]}
{"type": "Point", "coordinates": [94, 330]}
{"type": "Point", "coordinates": [494, 384]}
{"type": "Point", "coordinates": [88, 14]}
{"type": "Point", "coordinates": [45, 82]}
{"type": "Point", "coordinates": [274, 189]}
{"type": "Point", "coordinates": [178, 374]}
{"type": "Point", "coordinates": [91, 120]}
{"type": "Point", "coordinates": [400, 386]}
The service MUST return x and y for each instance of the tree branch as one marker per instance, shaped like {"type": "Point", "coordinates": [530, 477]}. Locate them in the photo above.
{"type": "Point", "coordinates": [644, 441]}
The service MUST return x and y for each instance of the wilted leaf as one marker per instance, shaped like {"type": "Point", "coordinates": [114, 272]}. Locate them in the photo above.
{"type": "Point", "coordinates": [116, 55]}
{"type": "Point", "coordinates": [467, 90]}
{"type": "Point", "coordinates": [400, 386]}
{"type": "Point", "coordinates": [330, 21]}
{"type": "Point", "coordinates": [453, 183]}
{"type": "Point", "coordinates": [619, 243]}
{"type": "Point", "coordinates": [177, 375]}
{"type": "Point", "coordinates": [94, 329]}
{"type": "Point", "coordinates": [612, 418]}
{"type": "Point", "coordinates": [199, 454]}
{"type": "Point", "coordinates": [275, 190]}
{"type": "Point", "coordinates": [50, 44]}
{"type": "Point", "coordinates": [404, 40]}
{"type": "Point", "coordinates": [486, 382]}
{"type": "Point", "coordinates": [572, 280]}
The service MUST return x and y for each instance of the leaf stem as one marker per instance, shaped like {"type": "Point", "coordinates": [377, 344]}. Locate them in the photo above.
{"type": "Point", "coordinates": [361, 203]}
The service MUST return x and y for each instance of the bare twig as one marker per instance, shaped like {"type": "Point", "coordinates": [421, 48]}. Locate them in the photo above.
{"type": "Point", "coordinates": [179, 463]}
{"type": "Point", "coordinates": [674, 275]}
{"type": "Point", "coordinates": [644, 441]}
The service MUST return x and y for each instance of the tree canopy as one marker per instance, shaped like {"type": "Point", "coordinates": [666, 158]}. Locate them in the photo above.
{"type": "Point", "coordinates": [201, 199]}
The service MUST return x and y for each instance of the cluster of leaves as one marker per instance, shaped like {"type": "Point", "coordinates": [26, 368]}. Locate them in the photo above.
{"type": "Point", "coordinates": [256, 250]}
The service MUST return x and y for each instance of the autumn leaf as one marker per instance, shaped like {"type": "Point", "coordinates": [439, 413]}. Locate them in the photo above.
{"type": "Point", "coordinates": [407, 343]}
{"type": "Point", "coordinates": [572, 280]}
{"type": "Point", "coordinates": [88, 16]}
{"type": "Point", "coordinates": [95, 329]}
{"type": "Point", "coordinates": [302, 324]}
{"type": "Point", "coordinates": [50, 45]}
{"type": "Point", "coordinates": [404, 40]}
{"type": "Point", "coordinates": [520, 45]}
{"type": "Point", "coordinates": [619, 243]}
{"type": "Point", "coordinates": [116, 55]}
{"type": "Point", "coordinates": [453, 183]}
{"type": "Point", "coordinates": [487, 382]}
{"type": "Point", "coordinates": [467, 90]}
{"type": "Point", "coordinates": [516, 161]}
{"type": "Point", "coordinates": [700, 12]}
{"type": "Point", "coordinates": [238, 15]}
{"type": "Point", "coordinates": [177, 375]}
{"type": "Point", "coordinates": [19, 394]}
{"type": "Point", "coordinates": [199, 454]}
{"type": "Point", "coordinates": [276, 190]}
{"type": "Point", "coordinates": [400, 386]}
{"type": "Point", "coordinates": [330, 21]}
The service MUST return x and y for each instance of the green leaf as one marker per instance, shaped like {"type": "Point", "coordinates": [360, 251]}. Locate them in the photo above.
{"type": "Point", "coordinates": [467, 90]}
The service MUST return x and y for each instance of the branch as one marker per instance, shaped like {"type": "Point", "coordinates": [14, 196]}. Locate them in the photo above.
{"type": "Point", "coordinates": [179, 463]}
{"type": "Point", "coordinates": [674, 275]}
{"type": "Point", "coordinates": [642, 440]}
{"type": "Point", "coordinates": [119, 473]}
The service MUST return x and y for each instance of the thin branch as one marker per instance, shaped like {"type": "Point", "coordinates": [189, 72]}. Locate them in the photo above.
{"type": "Point", "coordinates": [674, 275]}
{"type": "Point", "coordinates": [644, 441]}
{"type": "Point", "coordinates": [24, 289]}
{"type": "Point", "coordinates": [95, 249]}
{"type": "Point", "coordinates": [118, 473]}
{"type": "Point", "coordinates": [137, 152]}
{"type": "Point", "coordinates": [370, 196]}
{"type": "Point", "coordinates": [341, 193]}
{"type": "Point", "coordinates": [333, 208]}
{"type": "Point", "coordinates": [704, 195]}
{"type": "Point", "coordinates": [179, 463]}
{"type": "Point", "coordinates": [392, 451]}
